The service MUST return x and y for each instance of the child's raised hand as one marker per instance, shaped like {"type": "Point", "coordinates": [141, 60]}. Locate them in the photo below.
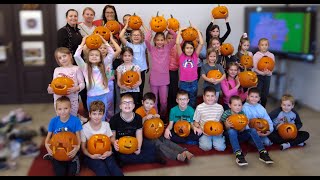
{"type": "Point", "coordinates": [49, 89]}
{"type": "Point", "coordinates": [167, 134]}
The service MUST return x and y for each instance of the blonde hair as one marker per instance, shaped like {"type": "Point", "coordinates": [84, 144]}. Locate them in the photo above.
{"type": "Point", "coordinates": [141, 34]}
{"type": "Point", "coordinates": [62, 50]}
{"type": "Point", "coordinates": [90, 9]}
{"type": "Point", "coordinates": [263, 39]}
{"type": "Point", "coordinates": [288, 97]}
{"type": "Point", "coordinates": [101, 68]}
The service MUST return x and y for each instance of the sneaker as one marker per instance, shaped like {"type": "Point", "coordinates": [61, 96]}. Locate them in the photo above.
{"type": "Point", "coordinates": [302, 144]}
{"type": "Point", "coordinates": [240, 160]}
{"type": "Point", "coordinates": [284, 146]}
{"type": "Point", "coordinates": [264, 157]}
{"type": "Point", "coordinates": [47, 157]}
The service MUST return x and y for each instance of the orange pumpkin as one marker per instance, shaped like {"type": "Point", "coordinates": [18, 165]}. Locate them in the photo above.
{"type": "Point", "coordinates": [113, 26]}
{"type": "Point", "coordinates": [61, 144]}
{"type": "Point", "coordinates": [226, 49]}
{"type": "Point", "coordinates": [288, 131]}
{"type": "Point", "coordinates": [135, 22]}
{"type": "Point", "coordinates": [259, 124]}
{"type": "Point", "coordinates": [265, 63]}
{"type": "Point", "coordinates": [153, 128]}
{"type": "Point", "coordinates": [182, 128]}
{"type": "Point", "coordinates": [60, 85]}
{"type": "Point", "coordinates": [129, 78]}
{"type": "Point", "coordinates": [239, 121]}
{"type": "Point", "coordinates": [173, 23]}
{"type": "Point", "coordinates": [189, 34]}
{"type": "Point", "coordinates": [248, 79]}
{"type": "Point", "coordinates": [158, 23]}
{"type": "Point", "coordinates": [220, 12]}
{"type": "Point", "coordinates": [246, 61]}
{"type": "Point", "coordinates": [98, 144]}
{"type": "Point", "coordinates": [213, 128]}
{"type": "Point", "coordinates": [93, 41]}
{"type": "Point", "coordinates": [216, 74]}
{"type": "Point", "coordinates": [103, 31]}
{"type": "Point", "coordinates": [128, 144]}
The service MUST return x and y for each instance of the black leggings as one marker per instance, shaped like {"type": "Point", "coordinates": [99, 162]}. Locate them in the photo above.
{"type": "Point", "coordinates": [277, 139]}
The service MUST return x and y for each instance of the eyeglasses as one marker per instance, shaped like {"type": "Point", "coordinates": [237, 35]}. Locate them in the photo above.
{"type": "Point", "coordinates": [127, 102]}
{"type": "Point", "coordinates": [183, 99]}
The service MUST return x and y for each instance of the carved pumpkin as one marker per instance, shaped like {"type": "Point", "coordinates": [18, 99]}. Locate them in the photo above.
{"type": "Point", "coordinates": [98, 144]}
{"type": "Point", "coordinates": [158, 23]}
{"type": "Point", "coordinates": [128, 144]}
{"type": "Point", "coordinates": [259, 124]}
{"type": "Point", "coordinates": [61, 144]}
{"type": "Point", "coordinates": [248, 79]}
{"type": "Point", "coordinates": [189, 34]}
{"type": "Point", "coordinates": [265, 63]}
{"type": "Point", "coordinates": [220, 12]}
{"type": "Point", "coordinates": [173, 23]}
{"type": "Point", "coordinates": [93, 41]}
{"type": "Point", "coordinates": [246, 61]}
{"type": "Point", "coordinates": [213, 128]}
{"type": "Point", "coordinates": [288, 131]}
{"type": "Point", "coordinates": [60, 85]}
{"type": "Point", "coordinates": [135, 22]}
{"type": "Point", "coordinates": [103, 31]}
{"type": "Point", "coordinates": [182, 128]}
{"type": "Point", "coordinates": [239, 121]}
{"type": "Point", "coordinates": [153, 128]}
{"type": "Point", "coordinates": [216, 74]}
{"type": "Point", "coordinates": [113, 26]}
{"type": "Point", "coordinates": [129, 78]}
{"type": "Point", "coordinates": [226, 49]}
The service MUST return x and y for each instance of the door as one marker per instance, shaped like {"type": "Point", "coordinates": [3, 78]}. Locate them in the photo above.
{"type": "Point", "coordinates": [27, 44]}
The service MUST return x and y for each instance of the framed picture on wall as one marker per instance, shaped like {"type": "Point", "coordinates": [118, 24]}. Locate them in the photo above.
{"type": "Point", "coordinates": [33, 53]}
{"type": "Point", "coordinates": [31, 22]}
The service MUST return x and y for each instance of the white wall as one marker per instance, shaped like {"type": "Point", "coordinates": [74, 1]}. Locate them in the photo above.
{"type": "Point", "coordinates": [302, 79]}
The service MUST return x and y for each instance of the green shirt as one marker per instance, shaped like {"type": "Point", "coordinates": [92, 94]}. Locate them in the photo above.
{"type": "Point", "coordinates": [228, 113]}
{"type": "Point", "coordinates": [176, 114]}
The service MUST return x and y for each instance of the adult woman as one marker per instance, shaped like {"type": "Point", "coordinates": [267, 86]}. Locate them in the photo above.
{"type": "Point", "coordinates": [86, 27]}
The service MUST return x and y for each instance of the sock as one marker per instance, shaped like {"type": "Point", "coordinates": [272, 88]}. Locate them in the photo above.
{"type": "Point", "coordinates": [284, 146]}
{"type": "Point", "coordinates": [302, 144]}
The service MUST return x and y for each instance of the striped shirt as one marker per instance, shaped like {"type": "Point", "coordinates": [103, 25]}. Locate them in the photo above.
{"type": "Point", "coordinates": [206, 113]}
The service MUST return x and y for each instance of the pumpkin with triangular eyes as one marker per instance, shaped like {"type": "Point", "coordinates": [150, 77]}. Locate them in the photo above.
{"type": "Point", "coordinates": [98, 144]}
{"type": "Point", "coordinates": [113, 26]}
{"type": "Point", "coordinates": [135, 22]}
{"type": "Point", "coordinates": [61, 144]}
{"type": "Point", "coordinates": [246, 61]}
{"type": "Point", "coordinates": [158, 23]}
{"type": "Point", "coordinates": [265, 63]}
{"type": "Point", "coordinates": [60, 85]}
{"type": "Point", "coordinates": [182, 128]}
{"type": "Point", "coordinates": [103, 31]}
{"type": "Point", "coordinates": [93, 41]}
{"type": "Point", "coordinates": [220, 12]}
{"type": "Point", "coordinates": [127, 144]}
{"type": "Point", "coordinates": [213, 128]}
{"type": "Point", "coordinates": [153, 128]}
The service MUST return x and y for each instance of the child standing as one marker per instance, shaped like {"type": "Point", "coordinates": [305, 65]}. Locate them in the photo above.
{"type": "Point", "coordinates": [253, 109]}
{"type": "Point", "coordinates": [64, 121]}
{"type": "Point", "coordinates": [64, 59]}
{"type": "Point", "coordinates": [209, 110]}
{"type": "Point", "coordinates": [243, 47]}
{"type": "Point", "coordinates": [102, 164]}
{"type": "Point", "coordinates": [188, 60]}
{"type": "Point", "coordinates": [264, 77]}
{"type": "Point", "coordinates": [212, 55]}
{"type": "Point", "coordinates": [213, 30]}
{"type": "Point", "coordinates": [236, 136]}
{"type": "Point", "coordinates": [182, 111]}
{"type": "Point", "coordinates": [168, 148]}
{"type": "Point", "coordinates": [94, 72]}
{"type": "Point", "coordinates": [283, 114]}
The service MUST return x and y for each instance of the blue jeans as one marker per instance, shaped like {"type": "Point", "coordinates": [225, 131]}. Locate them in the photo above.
{"type": "Point", "coordinates": [105, 167]}
{"type": "Point", "coordinates": [207, 142]}
{"type": "Point", "coordinates": [235, 137]}
{"type": "Point", "coordinates": [103, 98]}
{"type": "Point", "coordinates": [192, 89]}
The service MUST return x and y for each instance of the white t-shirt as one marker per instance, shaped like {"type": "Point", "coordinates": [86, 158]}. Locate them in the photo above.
{"type": "Point", "coordinates": [87, 131]}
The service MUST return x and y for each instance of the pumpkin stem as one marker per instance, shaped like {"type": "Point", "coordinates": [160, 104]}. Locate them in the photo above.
{"type": "Point", "coordinates": [190, 23]}
{"type": "Point", "coordinates": [134, 14]}
{"type": "Point", "coordinates": [245, 68]}
{"type": "Point", "coordinates": [158, 13]}
{"type": "Point", "coordinates": [171, 15]}
{"type": "Point", "coordinates": [132, 68]}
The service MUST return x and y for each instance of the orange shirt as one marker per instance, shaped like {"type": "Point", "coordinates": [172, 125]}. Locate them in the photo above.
{"type": "Point", "coordinates": [143, 113]}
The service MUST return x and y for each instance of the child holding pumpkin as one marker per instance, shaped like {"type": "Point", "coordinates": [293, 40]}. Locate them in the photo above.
{"type": "Point", "coordinates": [264, 76]}
{"type": "Point", "coordinates": [243, 47]}
{"type": "Point", "coordinates": [286, 114]}
{"type": "Point", "coordinates": [102, 164]}
{"type": "Point", "coordinates": [235, 136]}
{"type": "Point", "coordinates": [64, 59]}
{"type": "Point", "coordinates": [168, 148]}
{"type": "Point", "coordinates": [221, 59]}
{"type": "Point", "coordinates": [213, 30]}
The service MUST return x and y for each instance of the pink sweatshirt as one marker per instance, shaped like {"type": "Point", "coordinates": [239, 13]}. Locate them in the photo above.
{"type": "Point", "coordinates": [228, 90]}
{"type": "Point", "coordinates": [257, 56]}
{"type": "Point", "coordinates": [174, 59]}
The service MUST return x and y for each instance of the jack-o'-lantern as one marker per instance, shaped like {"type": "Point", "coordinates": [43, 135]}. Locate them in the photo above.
{"type": "Point", "coordinates": [93, 41]}
{"type": "Point", "coordinates": [265, 63]}
{"type": "Point", "coordinates": [128, 144]}
{"type": "Point", "coordinates": [248, 79]}
{"type": "Point", "coordinates": [215, 74]}
{"type": "Point", "coordinates": [182, 128]}
{"type": "Point", "coordinates": [113, 26]}
{"type": "Point", "coordinates": [259, 124]}
{"type": "Point", "coordinates": [189, 34]}
{"type": "Point", "coordinates": [98, 144]}
{"type": "Point", "coordinates": [60, 85]}
{"type": "Point", "coordinates": [288, 131]}
{"type": "Point", "coordinates": [226, 49]}
{"type": "Point", "coordinates": [220, 12]}
{"type": "Point", "coordinates": [129, 78]}
{"type": "Point", "coordinates": [246, 61]}
{"type": "Point", "coordinates": [135, 22]}
{"type": "Point", "coordinates": [213, 128]}
{"type": "Point", "coordinates": [158, 23]}
{"type": "Point", "coordinates": [173, 23]}
{"type": "Point", "coordinates": [61, 144]}
{"type": "Point", "coordinates": [239, 121]}
{"type": "Point", "coordinates": [153, 128]}
{"type": "Point", "coordinates": [103, 31]}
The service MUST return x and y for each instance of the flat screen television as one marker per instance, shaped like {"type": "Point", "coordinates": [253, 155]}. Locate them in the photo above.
{"type": "Point", "coordinates": [291, 31]}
